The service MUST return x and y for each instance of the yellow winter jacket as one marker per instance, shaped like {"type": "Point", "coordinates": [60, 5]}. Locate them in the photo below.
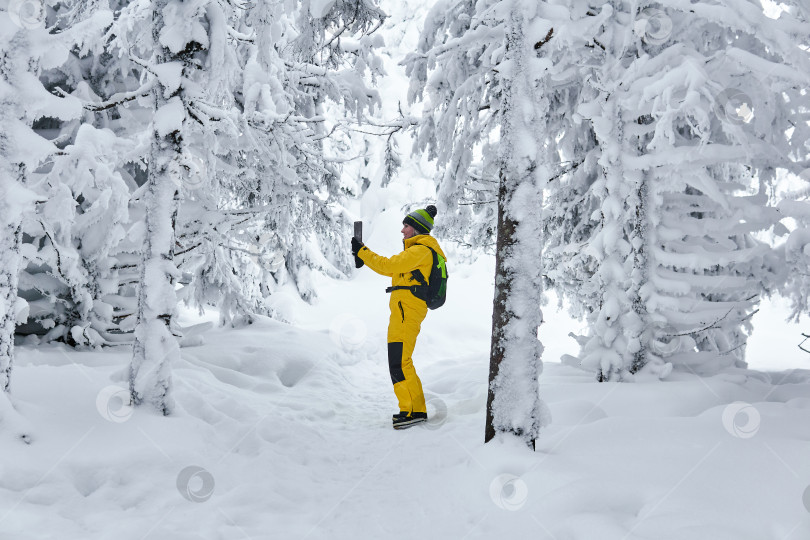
{"type": "Point", "coordinates": [415, 256]}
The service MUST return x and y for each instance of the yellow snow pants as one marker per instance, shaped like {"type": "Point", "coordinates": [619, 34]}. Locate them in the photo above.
{"type": "Point", "coordinates": [407, 315]}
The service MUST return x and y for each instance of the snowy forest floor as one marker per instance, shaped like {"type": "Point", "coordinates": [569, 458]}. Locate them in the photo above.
{"type": "Point", "coordinates": [288, 427]}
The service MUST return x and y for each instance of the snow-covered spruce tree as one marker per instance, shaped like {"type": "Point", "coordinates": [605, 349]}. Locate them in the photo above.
{"type": "Point", "coordinates": [690, 107]}
{"type": "Point", "coordinates": [15, 199]}
{"type": "Point", "coordinates": [273, 213]}
{"type": "Point", "coordinates": [104, 165]}
{"type": "Point", "coordinates": [454, 76]}
{"type": "Point", "coordinates": [476, 64]}
{"type": "Point", "coordinates": [91, 167]}
{"type": "Point", "coordinates": [191, 70]}
{"type": "Point", "coordinates": [333, 64]}
{"type": "Point", "coordinates": [70, 278]}
{"type": "Point", "coordinates": [305, 66]}
{"type": "Point", "coordinates": [83, 224]}
{"type": "Point", "coordinates": [216, 225]}
{"type": "Point", "coordinates": [795, 201]}
{"type": "Point", "coordinates": [178, 41]}
{"type": "Point", "coordinates": [77, 264]}
{"type": "Point", "coordinates": [27, 49]}
{"type": "Point", "coordinates": [572, 210]}
{"type": "Point", "coordinates": [226, 95]}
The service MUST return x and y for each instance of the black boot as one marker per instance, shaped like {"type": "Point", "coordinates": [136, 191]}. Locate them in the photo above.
{"type": "Point", "coordinates": [405, 420]}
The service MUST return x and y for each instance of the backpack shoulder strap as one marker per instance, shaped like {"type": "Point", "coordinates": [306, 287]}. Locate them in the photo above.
{"type": "Point", "coordinates": [417, 274]}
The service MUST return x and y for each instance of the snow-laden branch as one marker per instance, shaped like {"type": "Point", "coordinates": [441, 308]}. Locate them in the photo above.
{"type": "Point", "coordinates": [116, 99]}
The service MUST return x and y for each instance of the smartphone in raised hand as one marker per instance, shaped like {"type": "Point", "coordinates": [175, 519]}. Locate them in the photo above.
{"type": "Point", "coordinates": [358, 233]}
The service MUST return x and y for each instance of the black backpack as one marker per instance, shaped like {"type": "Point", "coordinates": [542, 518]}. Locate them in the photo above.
{"type": "Point", "coordinates": [434, 291]}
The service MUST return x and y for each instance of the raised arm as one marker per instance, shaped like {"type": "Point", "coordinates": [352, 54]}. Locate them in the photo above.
{"type": "Point", "coordinates": [407, 261]}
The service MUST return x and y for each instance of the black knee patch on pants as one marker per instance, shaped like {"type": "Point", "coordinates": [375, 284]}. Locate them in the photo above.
{"type": "Point", "coordinates": [395, 362]}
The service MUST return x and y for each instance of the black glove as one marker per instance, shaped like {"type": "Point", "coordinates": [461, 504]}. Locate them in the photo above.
{"type": "Point", "coordinates": [357, 245]}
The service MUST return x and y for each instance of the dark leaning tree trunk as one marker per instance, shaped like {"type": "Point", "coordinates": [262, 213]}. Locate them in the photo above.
{"type": "Point", "coordinates": [504, 246]}
{"type": "Point", "coordinates": [156, 347]}
{"type": "Point", "coordinates": [513, 401]}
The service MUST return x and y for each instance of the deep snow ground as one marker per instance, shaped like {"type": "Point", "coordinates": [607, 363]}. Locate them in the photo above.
{"type": "Point", "coordinates": [283, 431]}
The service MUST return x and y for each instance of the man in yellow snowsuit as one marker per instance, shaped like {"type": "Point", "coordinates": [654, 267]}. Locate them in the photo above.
{"type": "Point", "coordinates": [407, 311]}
